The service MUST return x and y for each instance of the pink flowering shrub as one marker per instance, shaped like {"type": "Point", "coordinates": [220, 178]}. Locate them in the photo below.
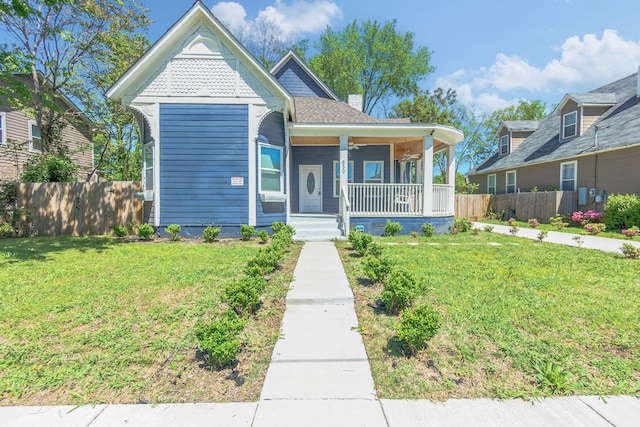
{"type": "Point", "coordinates": [588, 217]}
{"type": "Point", "coordinates": [533, 223]}
{"type": "Point", "coordinates": [631, 232]}
{"type": "Point", "coordinates": [594, 228]}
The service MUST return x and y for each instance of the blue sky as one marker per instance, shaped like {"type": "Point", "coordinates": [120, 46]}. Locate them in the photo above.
{"type": "Point", "coordinates": [492, 52]}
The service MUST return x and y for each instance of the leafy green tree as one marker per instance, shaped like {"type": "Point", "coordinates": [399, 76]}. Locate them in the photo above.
{"type": "Point", "coordinates": [429, 107]}
{"type": "Point", "coordinates": [371, 59]}
{"type": "Point", "coordinates": [525, 110]}
{"type": "Point", "coordinates": [52, 42]}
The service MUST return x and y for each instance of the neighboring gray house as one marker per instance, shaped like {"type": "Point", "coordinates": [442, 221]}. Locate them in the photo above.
{"type": "Point", "coordinates": [590, 144]}
{"type": "Point", "coordinates": [227, 142]}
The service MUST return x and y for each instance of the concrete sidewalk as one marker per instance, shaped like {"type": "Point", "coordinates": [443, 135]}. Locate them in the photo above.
{"type": "Point", "coordinates": [589, 242]}
{"type": "Point", "coordinates": [319, 376]}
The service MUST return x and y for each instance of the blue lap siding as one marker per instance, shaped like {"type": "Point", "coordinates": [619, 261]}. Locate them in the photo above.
{"type": "Point", "coordinates": [298, 82]}
{"type": "Point", "coordinates": [201, 148]}
{"type": "Point", "coordinates": [325, 156]}
{"type": "Point", "coordinates": [271, 128]}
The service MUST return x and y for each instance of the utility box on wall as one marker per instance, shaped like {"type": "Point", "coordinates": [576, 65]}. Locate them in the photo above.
{"type": "Point", "coordinates": [583, 195]}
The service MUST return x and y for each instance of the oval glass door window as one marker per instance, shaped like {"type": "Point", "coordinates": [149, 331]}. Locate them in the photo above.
{"type": "Point", "coordinates": [311, 183]}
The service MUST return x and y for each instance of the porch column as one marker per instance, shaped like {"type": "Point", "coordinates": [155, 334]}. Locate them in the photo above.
{"type": "Point", "coordinates": [344, 162]}
{"type": "Point", "coordinates": [427, 176]}
{"type": "Point", "coordinates": [451, 177]}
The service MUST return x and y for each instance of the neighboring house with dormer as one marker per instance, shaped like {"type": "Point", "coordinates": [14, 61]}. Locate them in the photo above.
{"type": "Point", "coordinates": [589, 144]}
{"type": "Point", "coordinates": [20, 139]}
{"type": "Point", "coordinates": [227, 142]}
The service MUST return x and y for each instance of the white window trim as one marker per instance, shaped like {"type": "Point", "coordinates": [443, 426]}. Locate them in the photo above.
{"type": "Point", "coordinates": [575, 125]}
{"type": "Point", "coordinates": [575, 173]}
{"type": "Point", "coordinates": [364, 170]}
{"type": "Point", "coordinates": [146, 167]}
{"type": "Point", "coordinates": [32, 123]}
{"type": "Point", "coordinates": [335, 163]}
{"type": "Point", "coordinates": [281, 170]}
{"type": "Point", "coordinates": [507, 150]}
{"type": "Point", "coordinates": [506, 182]}
{"type": "Point", "coordinates": [493, 175]}
{"type": "Point", "coordinates": [3, 126]}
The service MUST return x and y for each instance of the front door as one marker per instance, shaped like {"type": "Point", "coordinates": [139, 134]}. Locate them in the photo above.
{"type": "Point", "coordinates": [310, 185]}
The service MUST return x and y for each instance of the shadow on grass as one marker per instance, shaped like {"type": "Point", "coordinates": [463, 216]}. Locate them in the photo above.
{"type": "Point", "coordinates": [363, 281]}
{"type": "Point", "coordinates": [395, 347]}
{"type": "Point", "coordinates": [40, 248]}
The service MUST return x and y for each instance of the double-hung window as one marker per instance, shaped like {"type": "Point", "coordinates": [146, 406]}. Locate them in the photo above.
{"type": "Point", "coordinates": [336, 177]}
{"type": "Point", "coordinates": [504, 144]}
{"type": "Point", "coordinates": [3, 128]}
{"type": "Point", "coordinates": [491, 183]}
{"type": "Point", "coordinates": [373, 172]}
{"type": "Point", "coordinates": [568, 176]}
{"type": "Point", "coordinates": [35, 138]}
{"type": "Point", "coordinates": [271, 173]}
{"type": "Point", "coordinates": [569, 125]}
{"type": "Point", "coordinates": [148, 166]}
{"type": "Point", "coordinates": [511, 181]}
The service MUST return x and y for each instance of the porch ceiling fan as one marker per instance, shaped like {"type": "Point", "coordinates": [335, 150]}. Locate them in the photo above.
{"type": "Point", "coordinates": [406, 157]}
{"type": "Point", "coordinates": [354, 146]}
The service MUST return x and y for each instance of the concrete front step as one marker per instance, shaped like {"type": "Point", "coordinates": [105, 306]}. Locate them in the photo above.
{"type": "Point", "coordinates": [310, 227]}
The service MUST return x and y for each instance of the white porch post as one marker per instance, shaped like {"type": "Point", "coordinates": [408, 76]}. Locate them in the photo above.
{"type": "Point", "coordinates": [427, 176]}
{"type": "Point", "coordinates": [451, 177]}
{"type": "Point", "coordinates": [344, 162]}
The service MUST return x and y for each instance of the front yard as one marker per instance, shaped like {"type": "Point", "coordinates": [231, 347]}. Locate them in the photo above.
{"type": "Point", "coordinates": [520, 319]}
{"type": "Point", "coordinates": [90, 320]}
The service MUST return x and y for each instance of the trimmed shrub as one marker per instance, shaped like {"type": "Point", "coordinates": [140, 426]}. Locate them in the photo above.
{"type": "Point", "coordinates": [119, 230]}
{"type": "Point", "coordinates": [174, 231]}
{"type": "Point", "coordinates": [622, 211]}
{"type": "Point", "coordinates": [462, 224]}
{"type": "Point", "coordinates": [210, 234]}
{"type": "Point", "coordinates": [278, 227]}
{"type": "Point", "coordinates": [246, 231]}
{"type": "Point", "coordinates": [630, 251]}
{"type": "Point", "coordinates": [145, 231]}
{"type": "Point", "coordinates": [377, 268]}
{"type": "Point", "coordinates": [360, 241]}
{"type": "Point", "coordinates": [428, 229]}
{"type": "Point", "coordinates": [243, 296]}
{"type": "Point", "coordinates": [391, 228]}
{"type": "Point", "coordinates": [417, 326]}
{"type": "Point", "coordinates": [218, 339]}
{"type": "Point", "coordinates": [263, 236]}
{"type": "Point", "coordinates": [400, 290]}
{"type": "Point", "coordinates": [265, 261]}
{"type": "Point", "coordinates": [375, 249]}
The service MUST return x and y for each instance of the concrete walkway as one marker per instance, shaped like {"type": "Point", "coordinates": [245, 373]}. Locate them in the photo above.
{"type": "Point", "coordinates": [588, 242]}
{"type": "Point", "coordinates": [319, 376]}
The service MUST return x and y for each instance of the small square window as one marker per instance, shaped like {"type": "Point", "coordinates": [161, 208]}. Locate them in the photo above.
{"type": "Point", "coordinates": [569, 125]}
{"type": "Point", "coordinates": [148, 166]}
{"type": "Point", "coordinates": [373, 172]}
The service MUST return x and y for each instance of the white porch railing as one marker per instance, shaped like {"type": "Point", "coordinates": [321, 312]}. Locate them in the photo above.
{"type": "Point", "coordinates": [443, 199]}
{"type": "Point", "coordinates": [397, 200]}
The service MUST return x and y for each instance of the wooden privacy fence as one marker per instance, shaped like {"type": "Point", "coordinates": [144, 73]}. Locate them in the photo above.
{"type": "Point", "coordinates": [79, 209]}
{"type": "Point", "coordinates": [472, 205]}
{"type": "Point", "coordinates": [540, 205]}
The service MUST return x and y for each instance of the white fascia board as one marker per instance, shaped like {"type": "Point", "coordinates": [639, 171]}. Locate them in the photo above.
{"type": "Point", "coordinates": [445, 134]}
{"type": "Point", "coordinates": [159, 51]}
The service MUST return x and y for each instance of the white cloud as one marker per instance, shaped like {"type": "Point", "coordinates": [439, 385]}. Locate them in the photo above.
{"type": "Point", "coordinates": [583, 62]}
{"type": "Point", "coordinates": [297, 18]}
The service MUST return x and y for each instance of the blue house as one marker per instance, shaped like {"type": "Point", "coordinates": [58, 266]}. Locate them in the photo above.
{"type": "Point", "coordinates": [227, 142]}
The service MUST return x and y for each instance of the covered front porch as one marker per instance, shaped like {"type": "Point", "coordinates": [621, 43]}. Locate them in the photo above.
{"type": "Point", "coordinates": [375, 171]}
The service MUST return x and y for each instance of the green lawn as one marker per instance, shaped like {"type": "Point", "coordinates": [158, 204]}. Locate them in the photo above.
{"type": "Point", "coordinates": [509, 306]}
{"type": "Point", "coordinates": [571, 228]}
{"type": "Point", "coordinates": [96, 320]}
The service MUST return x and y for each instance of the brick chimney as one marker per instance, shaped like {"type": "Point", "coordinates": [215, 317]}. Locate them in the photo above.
{"type": "Point", "coordinates": [356, 101]}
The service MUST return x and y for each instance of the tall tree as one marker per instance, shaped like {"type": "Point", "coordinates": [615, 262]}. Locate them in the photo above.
{"type": "Point", "coordinates": [524, 110]}
{"type": "Point", "coordinates": [51, 42]}
{"type": "Point", "coordinates": [371, 59]}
